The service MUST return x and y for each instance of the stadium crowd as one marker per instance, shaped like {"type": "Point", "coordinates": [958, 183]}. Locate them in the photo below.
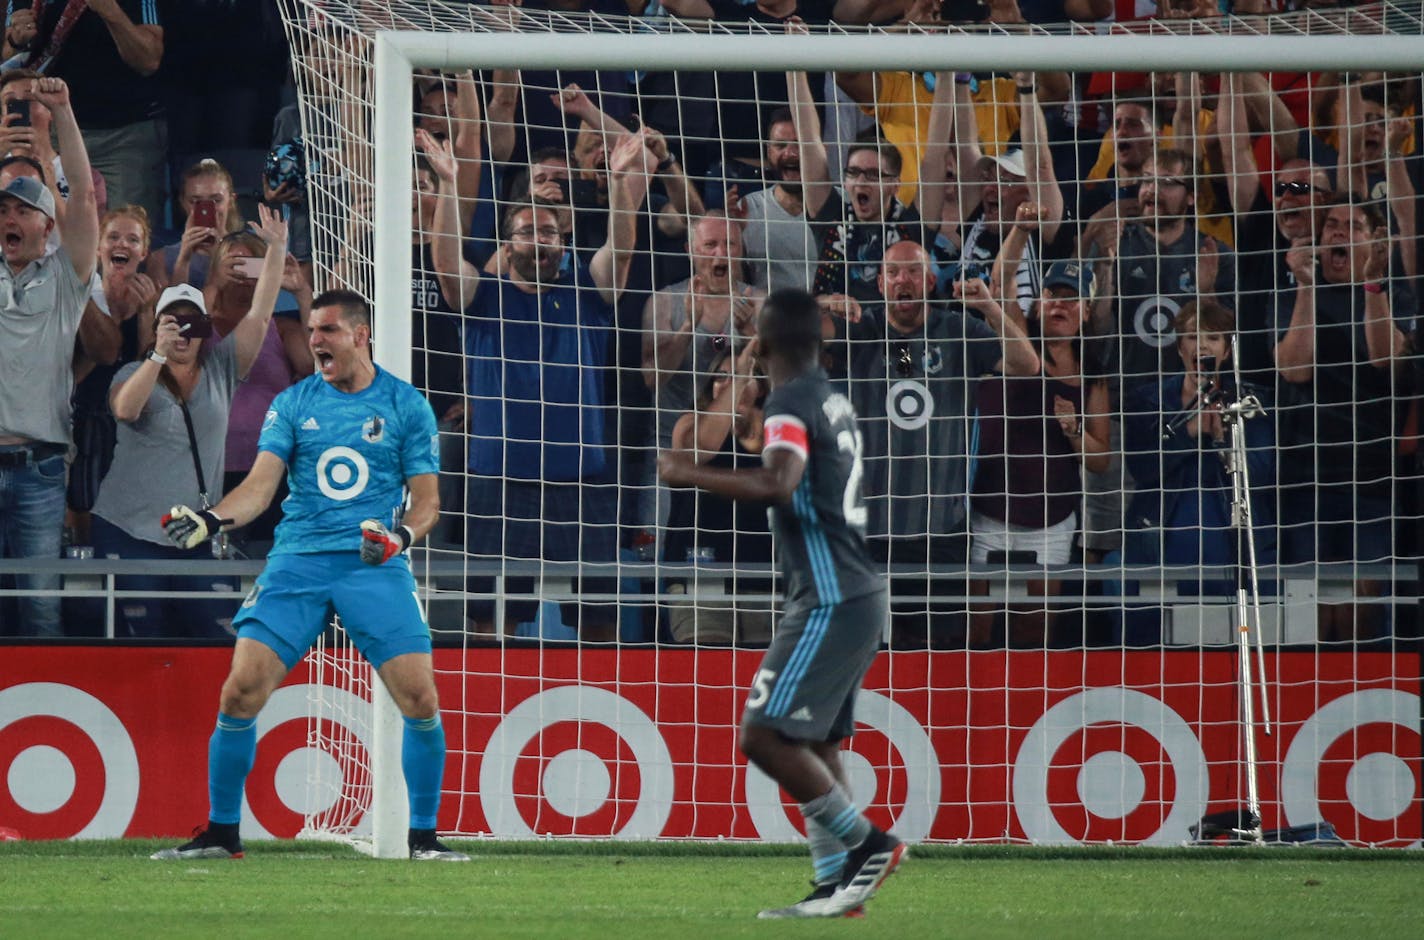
{"type": "Point", "coordinates": [1043, 292]}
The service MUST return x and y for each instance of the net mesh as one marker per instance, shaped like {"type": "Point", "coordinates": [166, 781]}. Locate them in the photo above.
{"type": "Point", "coordinates": [1112, 268]}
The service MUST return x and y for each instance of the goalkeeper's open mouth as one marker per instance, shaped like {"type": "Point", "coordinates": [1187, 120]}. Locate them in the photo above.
{"type": "Point", "coordinates": [325, 362]}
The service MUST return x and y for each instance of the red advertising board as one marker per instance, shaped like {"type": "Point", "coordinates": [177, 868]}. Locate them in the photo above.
{"type": "Point", "coordinates": [1053, 748]}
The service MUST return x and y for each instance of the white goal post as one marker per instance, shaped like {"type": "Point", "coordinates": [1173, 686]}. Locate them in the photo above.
{"type": "Point", "coordinates": [394, 55]}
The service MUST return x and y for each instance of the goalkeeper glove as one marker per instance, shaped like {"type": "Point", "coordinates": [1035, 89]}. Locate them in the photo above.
{"type": "Point", "coordinates": [189, 528]}
{"type": "Point", "coordinates": [378, 543]}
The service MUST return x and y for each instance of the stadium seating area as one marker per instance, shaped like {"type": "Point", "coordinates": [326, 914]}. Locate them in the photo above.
{"type": "Point", "coordinates": [1066, 307]}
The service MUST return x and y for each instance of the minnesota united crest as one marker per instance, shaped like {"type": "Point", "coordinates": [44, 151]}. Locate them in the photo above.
{"type": "Point", "coordinates": [373, 430]}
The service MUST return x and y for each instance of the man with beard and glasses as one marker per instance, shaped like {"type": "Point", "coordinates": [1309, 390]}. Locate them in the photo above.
{"type": "Point", "coordinates": [913, 366]}
{"type": "Point", "coordinates": [781, 249]}
{"type": "Point", "coordinates": [537, 344]}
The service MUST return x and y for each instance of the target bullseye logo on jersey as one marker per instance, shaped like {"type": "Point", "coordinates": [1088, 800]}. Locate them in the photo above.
{"type": "Point", "coordinates": [909, 405]}
{"type": "Point", "coordinates": [1153, 321]}
{"type": "Point", "coordinates": [68, 764]}
{"type": "Point", "coordinates": [342, 473]}
{"type": "Point", "coordinates": [1133, 755]}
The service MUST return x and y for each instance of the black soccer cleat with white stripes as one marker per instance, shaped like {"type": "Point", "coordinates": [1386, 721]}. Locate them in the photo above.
{"type": "Point", "coordinates": [866, 868]}
{"type": "Point", "coordinates": [424, 847]}
{"type": "Point", "coordinates": [212, 842]}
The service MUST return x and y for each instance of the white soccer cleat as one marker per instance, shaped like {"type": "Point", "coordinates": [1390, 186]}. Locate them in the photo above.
{"type": "Point", "coordinates": [815, 904]}
{"type": "Point", "coordinates": [866, 869]}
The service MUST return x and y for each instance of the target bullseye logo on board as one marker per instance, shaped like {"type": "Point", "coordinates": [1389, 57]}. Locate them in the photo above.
{"type": "Point", "coordinates": [292, 779]}
{"type": "Point", "coordinates": [1125, 756]}
{"type": "Point", "coordinates": [1378, 797]}
{"type": "Point", "coordinates": [910, 767]}
{"type": "Point", "coordinates": [577, 760]}
{"type": "Point", "coordinates": [342, 473]}
{"type": "Point", "coordinates": [67, 763]}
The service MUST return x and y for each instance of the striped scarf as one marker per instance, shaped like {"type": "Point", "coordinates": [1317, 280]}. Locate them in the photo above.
{"type": "Point", "coordinates": [46, 48]}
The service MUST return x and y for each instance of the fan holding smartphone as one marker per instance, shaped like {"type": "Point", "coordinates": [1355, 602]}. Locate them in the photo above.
{"type": "Point", "coordinates": [206, 196]}
{"type": "Point", "coordinates": [25, 123]}
{"type": "Point", "coordinates": [173, 409]}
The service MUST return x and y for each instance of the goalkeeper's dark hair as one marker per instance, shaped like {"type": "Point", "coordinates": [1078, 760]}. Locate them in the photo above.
{"type": "Point", "coordinates": [354, 308]}
{"type": "Point", "coordinates": [790, 326]}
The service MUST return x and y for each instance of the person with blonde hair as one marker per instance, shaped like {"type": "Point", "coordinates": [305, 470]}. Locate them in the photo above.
{"type": "Point", "coordinates": [210, 210]}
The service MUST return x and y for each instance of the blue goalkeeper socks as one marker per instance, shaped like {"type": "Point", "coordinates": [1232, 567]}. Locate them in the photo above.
{"type": "Point", "coordinates": [231, 750]}
{"type": "Point", "coordinates": [423, 763]}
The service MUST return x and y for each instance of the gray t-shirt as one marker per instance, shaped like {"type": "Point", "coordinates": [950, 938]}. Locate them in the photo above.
{"type": "Point", "coordinates": [153, 462]}
{"type": "Point", "coordinates": [780, 249]}
{"type": "Point", "coordinates": [677, 395]}
{"type": "Point", "coordinates": [913, 393]}
{"type": "Point", "coordinates": [40, 310]}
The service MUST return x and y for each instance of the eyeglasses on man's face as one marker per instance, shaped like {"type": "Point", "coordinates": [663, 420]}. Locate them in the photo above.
{"type": "Point", "coordinates": [866, 174]}
{"type": "Point", "coordinates": [544, 233]}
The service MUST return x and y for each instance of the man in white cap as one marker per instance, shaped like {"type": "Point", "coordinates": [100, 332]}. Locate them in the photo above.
{"type": "Point", "coordinates": [42, 298]}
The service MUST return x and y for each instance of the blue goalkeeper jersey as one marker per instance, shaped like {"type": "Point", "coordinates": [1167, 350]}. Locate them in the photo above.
{"type": "Point", "coordinates": [348, 456]}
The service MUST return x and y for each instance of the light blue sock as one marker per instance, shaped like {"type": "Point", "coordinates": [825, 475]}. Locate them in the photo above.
{"type": "Point", "coordinates": [834, 810]}
{"type": "Point", "coordinates": [231, 751]}
{"type": "Point", "coordinates": [828, 853]}
{"type": "Point", "coordinates": [423, 763]}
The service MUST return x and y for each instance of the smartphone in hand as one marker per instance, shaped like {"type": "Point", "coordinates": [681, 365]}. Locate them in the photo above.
{"type": "Point", "coordinates": [249, 268]}
{"type": "Point", "coordinates": [205, 213]}
{"type": "Point", "coordinates": [20, 107]}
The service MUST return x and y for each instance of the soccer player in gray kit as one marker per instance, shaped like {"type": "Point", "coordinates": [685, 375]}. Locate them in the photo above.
{"type": "Point", "coordinates": [802, 701]}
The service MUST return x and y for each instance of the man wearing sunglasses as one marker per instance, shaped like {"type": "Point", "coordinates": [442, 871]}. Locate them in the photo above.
{"type": "Point", "coordinates": [1269, 221]}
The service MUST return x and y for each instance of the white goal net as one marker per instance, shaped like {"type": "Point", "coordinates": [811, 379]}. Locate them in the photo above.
{"type": "Point", "coordinates": [1129, 315]}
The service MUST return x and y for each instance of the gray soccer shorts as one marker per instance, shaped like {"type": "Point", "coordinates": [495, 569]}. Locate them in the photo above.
{"type": "Point", "coordinates": [809, 678]}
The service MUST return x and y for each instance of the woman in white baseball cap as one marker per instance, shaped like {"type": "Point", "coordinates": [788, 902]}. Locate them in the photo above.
{"type": "Point", "coordinates": [172, 410]}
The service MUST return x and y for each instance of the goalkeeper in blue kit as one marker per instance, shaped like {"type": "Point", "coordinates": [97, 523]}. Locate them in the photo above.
{"type": "Point", "coordinates": [353, 440]}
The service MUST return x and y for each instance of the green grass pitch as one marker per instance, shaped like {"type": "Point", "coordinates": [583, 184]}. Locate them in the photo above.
{"type": "Point", "coordinates": [698, 892]}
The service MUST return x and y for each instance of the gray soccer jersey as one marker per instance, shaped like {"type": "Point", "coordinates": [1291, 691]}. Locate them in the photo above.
{"type": "Point", "coordinates": [913, 392]}
{"type": "Point", "coordinates": [1153, 282]}
{"type": "Point", "coordinates": [820, 535]}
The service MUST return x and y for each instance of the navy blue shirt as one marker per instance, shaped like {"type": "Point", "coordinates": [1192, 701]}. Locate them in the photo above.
{"type": "Point", "coordinates": [536, 379]}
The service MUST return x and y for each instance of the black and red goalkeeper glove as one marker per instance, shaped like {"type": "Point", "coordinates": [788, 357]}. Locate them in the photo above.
{"type": "Point", "coordinates": [189, 528]}
{"type": "Point", "coordinates": [379, 544]}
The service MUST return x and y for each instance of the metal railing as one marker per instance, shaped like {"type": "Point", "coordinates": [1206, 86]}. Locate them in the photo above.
{"type": "Point", "coordinates": [1290, 593]}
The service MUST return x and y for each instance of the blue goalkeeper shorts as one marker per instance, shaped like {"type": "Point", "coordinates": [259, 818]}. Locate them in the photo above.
{"type": "Point", "coordinates": [296, 595]}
